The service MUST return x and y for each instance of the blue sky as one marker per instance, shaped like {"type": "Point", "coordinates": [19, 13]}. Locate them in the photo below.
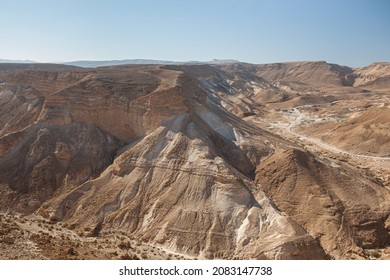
{"type": "Point", "coordinates": [347, 32]}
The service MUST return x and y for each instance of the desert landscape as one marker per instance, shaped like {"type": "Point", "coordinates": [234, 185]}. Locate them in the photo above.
{"type": "Point", "coordinates": [224, 160]}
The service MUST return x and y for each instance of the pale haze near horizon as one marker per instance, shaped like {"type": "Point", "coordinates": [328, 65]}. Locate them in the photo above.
{"type": "Point", "coordinates": [354, 33]}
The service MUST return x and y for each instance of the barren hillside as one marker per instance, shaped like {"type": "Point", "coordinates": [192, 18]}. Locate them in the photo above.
{"type": "Point", "coordinates": [376, 75]}
{"type": "Point", "coordinates": [203, 161]}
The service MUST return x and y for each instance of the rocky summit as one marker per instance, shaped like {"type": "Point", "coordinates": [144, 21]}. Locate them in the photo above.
{"type": "Point", "coordinates": [203, 161]}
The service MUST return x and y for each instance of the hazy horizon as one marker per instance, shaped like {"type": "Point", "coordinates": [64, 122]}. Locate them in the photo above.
{"type": "Point", "coordinates": [106, 62]}
{"type": "Point", "coordinates": [353, 33]}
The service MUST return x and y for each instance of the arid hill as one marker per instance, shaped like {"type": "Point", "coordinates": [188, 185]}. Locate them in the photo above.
{"type": "Point", "coordinates": [205, 161]}
{"type": "Point", "coordinates": [376, 75]}
{"type": "Point", "coordinates": [366, 132]}
{"type": "Point", "coordinates": [318, 73]}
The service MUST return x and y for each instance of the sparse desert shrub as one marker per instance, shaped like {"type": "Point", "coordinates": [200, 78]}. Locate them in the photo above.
{"type": "Point", "coordinates": [125, 245]}
{"type": "Point", "coordinates": [7, 240]}
{"type": "Point", "coordinates": [71, 251]}
{"type": "Point", "coordinates": [125, 257]}
{"type": "Point", "coordinates": [129, 257]}
{"type": "Point", "coordinates": [72, 226]}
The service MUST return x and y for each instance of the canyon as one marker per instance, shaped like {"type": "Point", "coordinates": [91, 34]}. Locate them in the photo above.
{"type": "Point", "coordinates": [195, 161]}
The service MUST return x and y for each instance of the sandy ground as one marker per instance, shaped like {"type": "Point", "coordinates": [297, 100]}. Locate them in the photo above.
{"type": "Point", "coordinates": [32, 237]}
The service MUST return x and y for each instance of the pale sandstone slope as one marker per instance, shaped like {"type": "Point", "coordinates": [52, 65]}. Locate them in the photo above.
{"type": "Point", "coordinates": [376, 75]}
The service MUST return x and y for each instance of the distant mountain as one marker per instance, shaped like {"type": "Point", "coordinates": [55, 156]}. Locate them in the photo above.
{"type": "Point", "coordinates": [214, 61]}
{"type": "Point", "coordinates": [100, 63]}
{"type": "Point", "coordinates": [16, 61]}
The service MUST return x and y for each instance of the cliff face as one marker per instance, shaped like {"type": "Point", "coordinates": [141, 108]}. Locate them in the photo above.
{"type": "Point", "coordinates": [172, 156]}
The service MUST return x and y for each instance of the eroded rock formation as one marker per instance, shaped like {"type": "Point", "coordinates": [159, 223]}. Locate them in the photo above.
{"type": "Point", "coordinates": [187, 157]}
